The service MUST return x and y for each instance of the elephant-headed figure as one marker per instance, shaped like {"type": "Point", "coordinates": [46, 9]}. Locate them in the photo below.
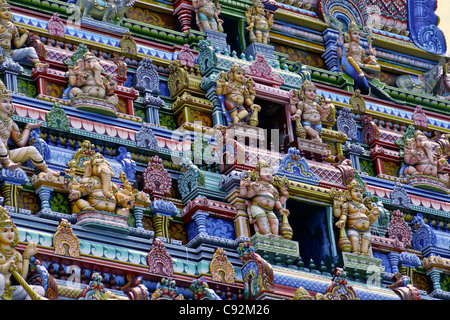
{"type": "Point", "coordinates": [96, 191]}
{"type": "Point", "coordinates": [87, 79]}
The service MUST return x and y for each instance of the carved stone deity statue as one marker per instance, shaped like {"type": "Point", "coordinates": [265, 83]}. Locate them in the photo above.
{"type": "Point", "coordinates": [259, 23]}
{"type": "Point", "coordinates": [13, 38]}
{"type": "Point", "coordinates": [421, 160]}
{"type": "Point", "coordinates": [354, 60]}
{"type": "Point", "coordinates": [237, 91]}
{"type": "Point", "coordinates": [87, 79]}
{"type": "Point", "coordinates": [15, 265]}
{"type": "Point", "coordinates": [355, 214]}
{"type": "Point", "coordinates": [96, 191]}
{"type": "Point", "coordinates": [307, 113]}
{"type": "Point", "coordinates": [261, 187]}
{"type": "Point", "coordinates": [207, 15]}
{"type": "Point", "coordinates": [11, 159]}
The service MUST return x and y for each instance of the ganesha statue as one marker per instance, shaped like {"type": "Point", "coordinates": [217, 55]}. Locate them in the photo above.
{"type": "Point", "coordinates": [95, 198]}
{"type": "Point", "coordinates": [424, 165]}
{"type": "Point", "coordinates": [90, 88]}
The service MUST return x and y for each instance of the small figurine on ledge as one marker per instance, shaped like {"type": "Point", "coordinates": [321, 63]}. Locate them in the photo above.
{"type": "Point", "coordinates": [11, 35]}
{"type": "Point", "coordinates": [355, 216]}
{"type": "Point", "coordinates": [259, 186]}
{"type": "Point", "coordinates": [353, 59]}
{"type": "Point", "coordinates": [238, 90]}
{"type": "Point", "coordinates": [87, 79]}
{"type": "Point", "coordinates": [207, 15]}
{"type": "Point", "coordinates": [421, 160]}
{"type": "Point", "coordinates": [259, 22]}
{"type": "Point", "coordinates": [307, 113]}
{"type": "Point", "coordinates": [9, 129]}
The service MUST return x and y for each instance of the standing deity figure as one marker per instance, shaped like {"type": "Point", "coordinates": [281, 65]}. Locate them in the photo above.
{"type": "Point", "coordinates": [260, 187]}
{"type": "Point", "coordinates": [11, 35]}
{"type": "Point", "coordinates": [259, 22]}
{"type": "Point", "coordinates": [307, 113]}
{"type": "Point", "coordinates": [354, 59]}
{"type": "Point", "coordinates": [355, 215]}
{"type": "Point", "coordinates": [207, 15]}
{"type": "Point", "coordinates": [10, 159]}
{"type": "Point", "coordinates": [421, 160]}
{"type": "Point", "coordinates": [15, 265]}
{"type": "Point", "coordinates": [238, 90]}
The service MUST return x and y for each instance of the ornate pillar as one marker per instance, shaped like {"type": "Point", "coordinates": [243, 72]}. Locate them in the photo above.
{"type": "Point", "coordinates": [330, 37]}
{"type": "Point", "coordinates": [200, 219]}
{"type": "Point", "coordinates": [11, 182]}
{"type": "Point", "coordinates": [393, 259]}
{"type": "Point", "coordinates": [138, 213]}
{"type": "Point", "coordinates": [217, 113]}
{"type": "Point", "coordinates": [354, 151]}
{"type": "Point", "coordinates": [184, 11]}
{"type": "Point", "coordinates": [11, 70]}
{"type": "Point", "coordinates": [44, 194]}
{"type": "Point", "coordinates": [241, 223]}
{"type": "Point", "coordinates": [435, 276]}
{"type": "Point", "coordinates": [147, 82]}
{"type": "Point", "coordinates": [162, 211]}
{"type": "Point", "coordinates": [231, 183]}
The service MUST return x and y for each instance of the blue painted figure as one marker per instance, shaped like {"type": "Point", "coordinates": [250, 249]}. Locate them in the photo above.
{"type": "Point", "coordinates": [354, 60]}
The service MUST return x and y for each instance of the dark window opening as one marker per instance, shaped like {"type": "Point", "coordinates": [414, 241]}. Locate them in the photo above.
{"type": "Point", "coordinates": [310, 226]}
{"type": "Point", "coordinates": [272, 118]}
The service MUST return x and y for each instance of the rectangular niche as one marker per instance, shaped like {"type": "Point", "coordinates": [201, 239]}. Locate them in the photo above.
{"type": "Point", "coordinates": [273, 119]}
{"type": "Point", "coordinates": [312, 226]}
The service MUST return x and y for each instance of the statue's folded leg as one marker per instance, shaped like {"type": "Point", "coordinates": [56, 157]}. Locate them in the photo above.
{"type": "Point", "coordinates": [21, 155]}
{"type": "Point", "coordinates": [29, 53]}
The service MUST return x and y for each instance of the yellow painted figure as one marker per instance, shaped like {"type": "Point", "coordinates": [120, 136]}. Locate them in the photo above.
{"type": "Point", "coordinates": [259, 23]}
{"type": "Point", "coordinates": [307, 113]}
{"type": "Point", "coordinates": [11, 35]}
{"type": "Point", "coordinates": [96, 191]}
{"type": "Point", "coordinates": [259, 187]}
{"type": "Point", "coordinates": [207, 14]}
{"type": "Point", "coordinates": [355, 215]}
{"type": "Point", "coordinates": [237, 91]}
{"type": "Point", "coordinates": [13, 264]}
{"type": "Point", "coordinates": [9, 129]}
{"type": "Point", "coordinates": [365, 65]}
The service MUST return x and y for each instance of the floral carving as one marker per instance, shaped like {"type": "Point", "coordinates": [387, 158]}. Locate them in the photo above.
{"type": "Point", "coordinates": [221, 269]}
{"type": "Point", "coordinates": [158, 260]}
{"type": "Point", "coordinates": [55, 26]}
{"type": "Point", "coordinates": [64, 236]}
{"type": "Point", "coordinates": [399, 229]}
{"type": "Point", "coordinates": [157, 181]}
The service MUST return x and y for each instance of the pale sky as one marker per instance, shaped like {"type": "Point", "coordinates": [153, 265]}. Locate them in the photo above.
{"type": "Point", "coordinates": [443, 11]}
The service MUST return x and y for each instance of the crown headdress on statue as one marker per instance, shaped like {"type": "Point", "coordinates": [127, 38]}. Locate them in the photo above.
{"type": "Point", "coordinates": [258, 3]}
{"type": "Point", "coordinates": [4, 93]}
{"type": "Point", "coordinates": [355, 185]}
{"type": "Point", "coordinates": [308, 85]}
{"type": "Point", "coordinates": [236, 67]}
{"type": "Point", "coordinates": [5, 219]}
{"type": "Point", "coordinates": [6, 222]}
{"type": "Point", "coordinates": [4, 4]}
{"type": "Point", "coordinates": [88, 56]}
{"type": "Point", "coordinates": [353, 27]}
